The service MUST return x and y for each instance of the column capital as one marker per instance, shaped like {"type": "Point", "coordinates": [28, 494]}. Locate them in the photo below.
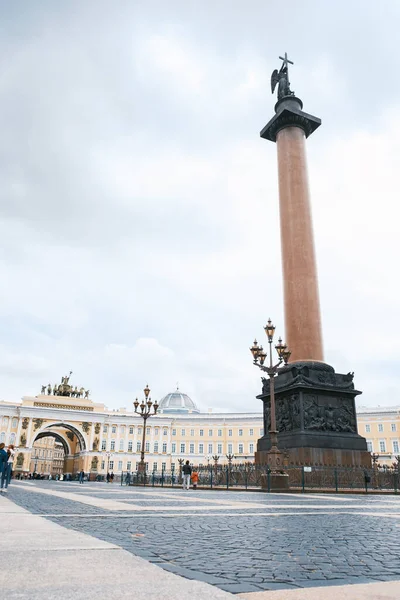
{"type": "Point", "coordinates": [289, 113]}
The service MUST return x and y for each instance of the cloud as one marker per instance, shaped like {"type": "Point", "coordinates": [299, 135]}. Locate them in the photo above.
{"type": "Point", "coordinates": [140, 221]}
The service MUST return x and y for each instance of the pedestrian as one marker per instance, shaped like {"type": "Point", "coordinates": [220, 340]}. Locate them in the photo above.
{"type": "Point", "coordinates": [3, 466]}
{"type": "Point", "coordinates": [128, 479]}
{"type": "Point", "coordinates": [187, 471]}
{"type": "Point", "coordinates": [195, 478]}
{"type": "Point", "coordinates": [108, 477]}
{"type": "Point", "coordinates": [81, 476]}
{"type": "Point", "coordinates": [112, 477]}
{"type": "Point", "coordinates": [9, 466]}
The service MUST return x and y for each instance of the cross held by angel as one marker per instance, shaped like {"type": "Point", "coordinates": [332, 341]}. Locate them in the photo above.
{"type": "Point", "coordinates": [281, 78]}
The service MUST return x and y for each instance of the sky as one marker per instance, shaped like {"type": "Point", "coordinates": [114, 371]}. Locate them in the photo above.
{"type": "Point", "coordinates": [139, 218]}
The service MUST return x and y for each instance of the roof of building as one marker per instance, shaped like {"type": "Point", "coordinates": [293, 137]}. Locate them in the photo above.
{"type": "Point", "coordinates": [177, 403]}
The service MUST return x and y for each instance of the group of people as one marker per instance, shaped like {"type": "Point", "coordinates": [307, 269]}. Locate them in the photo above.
{"type": "Point", "coordinates": [189, 474]}
{"type": "Point", "coordinates": [110, 477]}
{"type": "Point", "coordinates": [6, 465]}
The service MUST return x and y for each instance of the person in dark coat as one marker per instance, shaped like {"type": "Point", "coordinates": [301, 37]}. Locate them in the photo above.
{"type": "Point", "coordinates": [3, 466]}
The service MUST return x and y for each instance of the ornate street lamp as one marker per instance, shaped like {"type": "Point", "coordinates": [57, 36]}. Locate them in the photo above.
{"type": "Point", "coordinates": [147, 409]}
{"type": "Point", "coordinates": [375, 458]}
{"type": "Point", "coordinates": [215, 459]}
{"type": "Point", "coordinates": [259, 356]}
{"type": "Point", "coordinates": [109, 455]}
{"type": "Point", "coordinates": [230, 457]}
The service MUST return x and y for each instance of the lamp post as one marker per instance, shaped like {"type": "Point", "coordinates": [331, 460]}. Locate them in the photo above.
{"type": "Point", "coordinates": [230, 457]}
{"type": "Point", "coordinates": [259, 356]}
{"type": "Point", "coordinates": [215, 459]}
{"type": "Point", "coordinates": [147, 409]}
{"type": "Point", "coordinates": [375, 458]}
{"type": "Point", "coordinates": [109, 455]}
{"type": "Point", "coordinates": [180, 461]}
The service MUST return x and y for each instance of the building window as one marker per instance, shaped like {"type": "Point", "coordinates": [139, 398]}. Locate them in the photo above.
{"type": "Point", "coordinates": [121, 445]}
{"type": "Point", "coordinates": [147, 446]}
{"type": "Point", "coordinates": [114, 429]}
{"type": "Point", "coordinates": [251, 448]}
{"type": "Point", "coordinates": [12, 438]}
{"type": "Point", "coordinates": [183, 432]}
{"type": "Point", "coordinates": [230, 432]}
{"type": "Point", "coordinates": [5, 420]}
{"type": "Point", "coordinates": [104, 444]}
{"type": "Point", "coordinates": [380, 427]}
{"type": "Point", "coordinates": [191, 449]}
{"type": "Point", "coordinates": [240, 448]}
{"type": "Point", "coordinates": [261, 431]}
{"type": "Point", "coordinates": [120, 465]}
{"type": "Point", "coordinates": [165, 431]}
{"type": "Point", "coordinates": [174, 432]}
{"type": "Point", "coordinates": [368, 428]}
{"type": "Point", "coordinates": [155, 446]}
{"type": "Point", "coordinates": [230, 449]}
{"type": "Point", "coordinates": [173, 450]}
{"type": "Point", "coordinates": [15, 423]}
{"type": "Point", "coordinates": [183, 448]}
{"type": "Point", "coordinates": [192, 432]}
{"type": "Point", "coordinates": [395, 446]}
{"type": "Point", "coordinates": [382, 446]}
{"type": "Point", "coordinates": [164, 447]}
{"type": "Point", "coordinates": [139, 430]}
{"type": "Point", "coordinates": [111, 464]}
{"type": "Point", "coordinates": [393, 426]}
{"type": "Point", "coordinates": [219, 451]}
{"type": "Point", "coordinates": [130, 430]}
{"type": "Point", "coordinates": [128, 465]}
{"type": "Point", "coordinates": [201, 448]}
{"type": "Point", "coordinates": [3, 437]}
{"type": "Point", "coordinates": [122, 429]}
{"type": "Point", "coordinates": [105, 428]}
{"type": "Point", "coordinates": [219, 432]}
{"type": "Point", "coordinates": [210, 448]}
{"type": "Point", "coordinates": [130, 446]}
{"type": "Point", "coordinates": [251, 432]}
{"type": "Point", "coordinates": [163, 466]}
{"type": "Point", "coordinates": [154, 466]}
{"type": "Point", "coordinates": [240, 432]}
{"type": "Point", "coordinates": [112, 444]}
{"type": "Point", "coordinates": [210, 432]}
{"type": "Point", "coordinates": [138, 446]}
{"type": "Point", "coordinates": [103, 464]}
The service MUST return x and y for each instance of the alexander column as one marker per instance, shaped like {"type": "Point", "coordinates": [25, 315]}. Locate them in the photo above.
{"type": "Point", "coordinates": [314, 405]}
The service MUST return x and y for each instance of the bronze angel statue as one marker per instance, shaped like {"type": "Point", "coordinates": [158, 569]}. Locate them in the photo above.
{"type": "Point", "coordinates": [281, 77]}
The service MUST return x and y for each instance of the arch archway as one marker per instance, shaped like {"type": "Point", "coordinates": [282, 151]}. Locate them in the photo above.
{"type": "Point", "coordinates": [68, 427]}
{"type": "Point", "coordinates": [57, 437]}
{"type": "Point", "coordinates": [49, 453]}
{"type": "Point", "coordinates": [73, 449]}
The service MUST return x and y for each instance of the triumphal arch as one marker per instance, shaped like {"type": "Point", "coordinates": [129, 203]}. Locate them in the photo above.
{"type": "Point", "coordinates": [62, 411]}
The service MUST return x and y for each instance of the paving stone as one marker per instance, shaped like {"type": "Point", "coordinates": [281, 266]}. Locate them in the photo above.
{"type": "Point", "coordinates": [243, 552]}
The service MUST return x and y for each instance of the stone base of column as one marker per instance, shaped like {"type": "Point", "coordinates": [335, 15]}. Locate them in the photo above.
{"type": "Point", "coordinates": [315, 417]}
{"type": "Point", "coordinates": [275, 482]}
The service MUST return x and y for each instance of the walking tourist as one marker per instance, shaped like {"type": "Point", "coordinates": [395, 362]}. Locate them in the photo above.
{"type": "Point", "coordinates": [187, 471]}
{"type": "Point", "coordinates": [128, 479]}
{"type": "Point", "coordinates": [108, 477]}
{"type": "Point", "coordinates": [195, 478]}
{"type": "Point", "coordinates": [81, 476]}
{"type": "Point", "coordinates": [112, 477]}
{"type": "Point", "coordinates": [3, 466]}
{"type": "Point", "coordinates": [9, 466]}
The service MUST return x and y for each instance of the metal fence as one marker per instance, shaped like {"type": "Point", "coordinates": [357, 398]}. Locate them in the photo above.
{"type": "Point", "coordinates": [301, 479]}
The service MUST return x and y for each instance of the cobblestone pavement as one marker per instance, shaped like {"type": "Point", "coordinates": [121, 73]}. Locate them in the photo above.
{"type": "Point", "coordinates": [237, 541]}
